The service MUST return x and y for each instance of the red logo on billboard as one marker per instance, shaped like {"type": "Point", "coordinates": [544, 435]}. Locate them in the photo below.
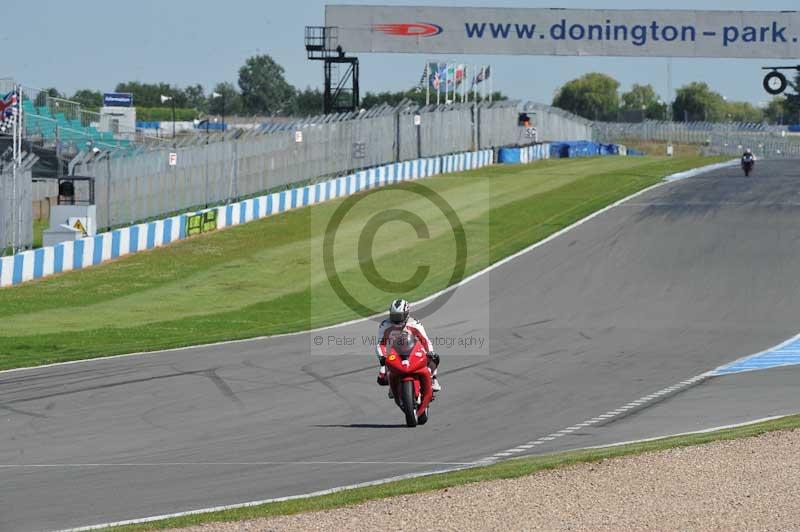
{"type": "Point", "coordinates": [417, 29]}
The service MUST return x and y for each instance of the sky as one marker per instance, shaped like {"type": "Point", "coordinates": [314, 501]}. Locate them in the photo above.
{"type": "Point", "coordinates": [94, 44]}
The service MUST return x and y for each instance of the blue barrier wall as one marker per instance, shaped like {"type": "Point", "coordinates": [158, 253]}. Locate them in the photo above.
{"type": "Point", "coordinates": [524, 154]}
{"type": "Point", "coordinates": [582, 148]}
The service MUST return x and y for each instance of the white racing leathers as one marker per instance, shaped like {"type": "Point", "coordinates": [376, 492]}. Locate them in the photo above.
{"type": "Point", "coordinates": [387, 330]}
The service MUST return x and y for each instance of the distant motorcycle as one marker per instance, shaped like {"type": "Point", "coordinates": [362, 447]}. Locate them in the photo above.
{"type": "Point", "coordinates": [410, 381]}
{"type": "Point", "coordinates": [747, 164]}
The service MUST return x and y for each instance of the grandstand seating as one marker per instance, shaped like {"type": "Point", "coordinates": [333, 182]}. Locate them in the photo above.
{"type": "Point", "coordinates": [40, 122]}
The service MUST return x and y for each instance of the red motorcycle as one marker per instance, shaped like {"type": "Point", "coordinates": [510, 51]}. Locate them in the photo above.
{"type": "Point", "coordinates": [410, 379]}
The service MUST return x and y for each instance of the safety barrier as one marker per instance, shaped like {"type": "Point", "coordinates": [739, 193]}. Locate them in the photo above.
{"type": "Point", "coordinates": [524, 154]}
{"type": "Point", "coordinates": [67, 256]}
{"type": "Point", "coordinates": [583, 148]}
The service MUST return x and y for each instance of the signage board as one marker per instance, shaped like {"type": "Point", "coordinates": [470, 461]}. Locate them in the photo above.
{"type": "Point", "coordinates": [592, 32]}
{"type": "Point", "coordinates": [118, 99]}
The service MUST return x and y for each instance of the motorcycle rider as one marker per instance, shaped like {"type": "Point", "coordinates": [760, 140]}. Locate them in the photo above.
{"type": "Point", "coordinates": [400, 321]}
{"type": "Point", "coordinates": [748, 157]}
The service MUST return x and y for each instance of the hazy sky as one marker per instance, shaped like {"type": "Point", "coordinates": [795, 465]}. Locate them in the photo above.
{"type": "Point", "coordinates": [94, 44]}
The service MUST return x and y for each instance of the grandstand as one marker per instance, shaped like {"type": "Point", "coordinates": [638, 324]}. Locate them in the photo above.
{"type": "Point", "coordinates": [49, 128]}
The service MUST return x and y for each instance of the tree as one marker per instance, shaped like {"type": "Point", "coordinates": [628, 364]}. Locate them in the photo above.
{"type": "Point", "coordinates": [264, 88]}
{"type": "Point", "coordinates": [196, 98]}
{"type": "Point", "coordinates": [775, 111]}
{"type": "Point", "coordinates": [149, 94]}
{"type": "Point", "coordinates": [417, 97]}
{"type": "Point", "coordinates": [88, 98]}
{"type": "Point", "coordinates": [593, 96]}
{"type": "Point", "coordinates": [643, 99]}
{"type": "Point", "coordinates": [742, 112]}
{"type": "Point", "coordinates": [308, 102]}
{"type": "Point", "coordinates": [229, 96]}
{"type": "Point", "coordinates": [792, 105]}
{"type": "Point", "coordinates": [697, 102]}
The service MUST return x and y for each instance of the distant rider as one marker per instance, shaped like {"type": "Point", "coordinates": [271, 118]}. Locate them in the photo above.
{"type": "Point", "coordinates": [748, 157]}
{"type": "Point", "coordinates": [400, 320]}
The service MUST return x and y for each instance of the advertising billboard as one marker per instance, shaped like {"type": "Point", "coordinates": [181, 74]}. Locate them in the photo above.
{"type": "Point", "coordinates": [591, 32]}
{"type": "Point", "coordinates": [118, 99]}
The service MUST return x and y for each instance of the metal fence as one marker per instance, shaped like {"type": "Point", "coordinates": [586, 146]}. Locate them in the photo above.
{"type": "Point", "coordinates": [763, 146]}
{"type": "Point", "coordinates": [766, 141]}
{"type": "Point", "coordinates": [553, 124]}
{"type": "Point", "coordinates": [216, 167]}
{"type": "Point", "coordinates": [685, 132]}
{"type": "Point", "coordinates": [16, 205]}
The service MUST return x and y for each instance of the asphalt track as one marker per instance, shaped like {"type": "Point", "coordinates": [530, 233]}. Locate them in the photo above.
{"type": "Point", "coordinates": [666, 286]}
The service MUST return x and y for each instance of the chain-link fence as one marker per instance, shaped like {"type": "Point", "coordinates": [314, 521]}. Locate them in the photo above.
{"type": "Point", "coordinates": [16, 204]}
{"type": "Point", "coordinates": [215, 167]}
{"type": "Point", "coordinates": [766, 141]}
{"type": "Point", "coordinates": [684, 132]}
{"type": "Point", "coordinates": [763, 146]}
{"type": "Point", "coordinates": [554, 124]}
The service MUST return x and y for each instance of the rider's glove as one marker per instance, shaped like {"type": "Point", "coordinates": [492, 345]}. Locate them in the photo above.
{"type": "Point", "coordinates": [433, 356]}
{"type": "Point", "coordinates": [383, 380]}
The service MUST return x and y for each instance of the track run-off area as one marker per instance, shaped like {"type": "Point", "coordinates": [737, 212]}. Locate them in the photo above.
{"type": "Point", "coordinates": [649, 295]}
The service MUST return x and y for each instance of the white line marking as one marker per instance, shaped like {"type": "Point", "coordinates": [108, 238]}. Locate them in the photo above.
{"type": "Point", "coordinates": [702, 431]}
{"type": "Point", "coordinates": [267, 501]}
{"type": "Point", "coordinates": [663, 182]}
{"type": "Point", "coordinates": [209, 464]}
{"type": "Point", "coordinates": [479, 463]}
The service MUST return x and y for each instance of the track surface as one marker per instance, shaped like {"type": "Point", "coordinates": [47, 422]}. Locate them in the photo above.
{"type": "Point", "coordinates": [668, 285]}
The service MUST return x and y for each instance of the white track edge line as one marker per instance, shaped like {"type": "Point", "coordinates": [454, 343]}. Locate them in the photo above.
{"type": "Point", "coordinates": [664, 181]}
{"type": "Point", "coordinates": [269, 501]}
{"type": "Point", "coordinates": [479, 463]}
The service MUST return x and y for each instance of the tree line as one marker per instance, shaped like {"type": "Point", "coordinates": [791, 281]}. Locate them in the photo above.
{"type": "Point", "coordinates": [596, 96]}
{"type": "Point", "coordinates": [261, 89]}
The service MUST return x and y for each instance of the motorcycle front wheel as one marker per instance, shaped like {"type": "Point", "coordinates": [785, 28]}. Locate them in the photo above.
{"type": "Point", "coordinates": [409, 407]}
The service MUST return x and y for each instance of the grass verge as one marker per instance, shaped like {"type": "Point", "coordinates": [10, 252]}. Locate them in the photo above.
{"type": "Point", "coordinates": [267, 277]}
{"type": "Point", "coordinates": [504, 470]}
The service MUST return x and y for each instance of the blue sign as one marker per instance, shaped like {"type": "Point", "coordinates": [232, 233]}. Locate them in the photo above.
{"type": "Point", "coordinates": [118, 99]}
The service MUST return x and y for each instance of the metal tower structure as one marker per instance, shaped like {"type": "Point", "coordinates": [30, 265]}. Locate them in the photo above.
{"type": "Point", "coordinates": [341, 72]}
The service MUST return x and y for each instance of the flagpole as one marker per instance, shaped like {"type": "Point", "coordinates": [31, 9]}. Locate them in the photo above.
{"type": "Point", "coordinates": [447, 83]}
{"type": "Point", "coordinates": [438, 85]}
{"type": "Point", "coordinates": [475, 86]}
{"type": "Point", "coordinates": [427, 83]}
{"type": "Point", "coordinates": [491, 87]}
{"type": "Point", "coordinates": [464, 84]}
{"type": "Point", "coordinates": [14, 201]}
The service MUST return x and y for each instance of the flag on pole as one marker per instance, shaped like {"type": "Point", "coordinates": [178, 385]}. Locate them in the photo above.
{"type": "Point", "coordinates": [9, 108]}
{"type": "Point", "coordinates": [483, 74]}
{"type": "Point", "coordinates": [423, 78]}
{"type": "Point", "coordinates": [451, 75]}
{"type": "Point", "coordinates": [434, 76]}
{"type": "Point", "coordinates": [459, 74]}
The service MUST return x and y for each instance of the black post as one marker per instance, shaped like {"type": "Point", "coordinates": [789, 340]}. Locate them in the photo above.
{"type": "Point", "coordinates": [173, 118]}
{"type": "Point", "coordinates": [223, 112]}
{"type": "Point", "coordinates": [397, 134]}
{"type": "Point", "coordinates": [418, 120]}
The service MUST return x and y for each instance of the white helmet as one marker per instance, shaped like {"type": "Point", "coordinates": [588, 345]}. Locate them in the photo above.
{"type": "Point", "coordinates": [398, 311]}
{"type": "Point", "coordinates": [748, 151]}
